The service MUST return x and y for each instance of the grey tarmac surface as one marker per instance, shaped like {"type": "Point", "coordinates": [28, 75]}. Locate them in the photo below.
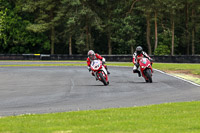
{"type": "Point", "coordinates": [38, 62]}
{"type": "Point", "coordinates": [59, 89]}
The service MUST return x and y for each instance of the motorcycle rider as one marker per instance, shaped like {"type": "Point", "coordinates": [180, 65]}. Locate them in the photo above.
{"type": "Point", "coordinates": [139, 53]}
{"type": "Point", "coordinates": [92, 56]}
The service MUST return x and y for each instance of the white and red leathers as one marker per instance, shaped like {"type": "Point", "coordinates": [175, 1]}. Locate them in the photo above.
{"type": "Point", "coordinates": [136, 59]}
{"type": "Point", "coordinates": [97, 56]}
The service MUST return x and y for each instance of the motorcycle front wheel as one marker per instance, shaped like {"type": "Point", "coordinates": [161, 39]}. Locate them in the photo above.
{"type": "Point", "coordinates": [148, 75]}
{"type": "Point", "coordinates": [103, 79]}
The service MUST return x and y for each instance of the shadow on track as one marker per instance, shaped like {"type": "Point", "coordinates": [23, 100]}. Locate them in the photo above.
{"type": "Point", "coordinates": [141, 82]}
{"type": "Point", "coordinates": [92, 85]}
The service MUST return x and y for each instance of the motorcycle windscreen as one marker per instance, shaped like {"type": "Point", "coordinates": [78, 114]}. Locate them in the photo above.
{"type": "Point", "coordinates": [143, 60]}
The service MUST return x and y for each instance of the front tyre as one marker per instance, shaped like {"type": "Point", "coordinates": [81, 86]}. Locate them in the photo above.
{"type": "Point", "coordinates": [103, 79]}
{"type": "Point", "coordinates": [148, 75]}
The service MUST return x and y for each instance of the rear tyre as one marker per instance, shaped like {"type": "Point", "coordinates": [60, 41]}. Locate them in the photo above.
{"type": "Point", "coordinates": [103, 79]}
{"type": "Point", "coordinates": [148, 74]}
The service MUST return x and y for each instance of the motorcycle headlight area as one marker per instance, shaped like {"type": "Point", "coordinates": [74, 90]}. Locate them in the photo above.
{"type": "Point", "coordinates": [143, 66]}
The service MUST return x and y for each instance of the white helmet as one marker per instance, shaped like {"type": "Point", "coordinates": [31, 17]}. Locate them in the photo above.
{"type": "Point", "coordinates": [91, 54]}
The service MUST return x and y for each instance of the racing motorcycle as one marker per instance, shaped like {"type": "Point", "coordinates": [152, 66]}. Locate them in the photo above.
{"type": "Point", "coordinates": [146, 69]}
{"type": "Point", "coordinates": [100, 71]}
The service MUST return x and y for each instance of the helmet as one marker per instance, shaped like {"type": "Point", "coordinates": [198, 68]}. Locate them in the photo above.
{"type": "Point", "coordinates": [139, 50]}
{"type": "Point", "coordinates": [91, 54]}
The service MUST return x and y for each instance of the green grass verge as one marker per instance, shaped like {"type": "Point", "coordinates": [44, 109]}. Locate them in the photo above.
{"type": "Point", "coordinates": [193, 68]}
{"type": "Point", "coordinates": [163, 118]}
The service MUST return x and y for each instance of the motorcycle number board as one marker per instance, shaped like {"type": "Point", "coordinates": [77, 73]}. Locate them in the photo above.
{"type": "Point", "coordinates": [96, 64]}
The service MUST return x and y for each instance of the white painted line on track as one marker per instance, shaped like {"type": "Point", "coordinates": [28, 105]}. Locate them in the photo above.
{"type": "Point", "coordinates": [177, 77]}
{"type": "Point", "coordinates": [72, 86]}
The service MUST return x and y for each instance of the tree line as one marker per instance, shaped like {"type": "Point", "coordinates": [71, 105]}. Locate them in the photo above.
{"type": "Point", "coordinates": [161, 27]}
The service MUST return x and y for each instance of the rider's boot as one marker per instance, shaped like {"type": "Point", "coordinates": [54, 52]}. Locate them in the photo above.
{"type": "Point", "coordinates": [139, 74]}
{"type": "Point", "coordinates": [107, 69]}
{"type": "Point", "coordinates": [137, 71]}
{"type": "Point", "coordinates": [108, 72]}
{"type": "Point", "coordinates": [93, 74]}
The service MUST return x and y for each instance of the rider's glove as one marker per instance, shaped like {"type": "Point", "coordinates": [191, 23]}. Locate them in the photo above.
{"type": "Point", "coordinates": [104, 61]}
{"type": "Point", "coordinates": [89, 68]}
{"type": "Point", "coordinates": [150, 59]}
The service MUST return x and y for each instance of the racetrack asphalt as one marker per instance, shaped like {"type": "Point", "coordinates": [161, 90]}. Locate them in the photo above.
{"type": "Point", "coordinates": [71, 88]}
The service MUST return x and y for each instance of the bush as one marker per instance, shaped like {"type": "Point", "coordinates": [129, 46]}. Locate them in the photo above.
{"type": "Point", "coordinates": [162, 50]}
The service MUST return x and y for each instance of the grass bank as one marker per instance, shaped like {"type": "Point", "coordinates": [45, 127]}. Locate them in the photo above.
{"type": "Point", "coordinates": [192, 68]}
{"type": "Point", "coordinates": [168, 118]}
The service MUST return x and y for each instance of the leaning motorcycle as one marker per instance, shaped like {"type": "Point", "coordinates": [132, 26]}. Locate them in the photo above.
{"type": "Point", "coordinates": [100, 71]}
{"type": "Point", "coordinates": [146, 69]}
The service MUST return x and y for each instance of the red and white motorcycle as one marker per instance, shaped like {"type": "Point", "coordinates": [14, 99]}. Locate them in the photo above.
{"type": "Point", "coordinates": [100, 72]}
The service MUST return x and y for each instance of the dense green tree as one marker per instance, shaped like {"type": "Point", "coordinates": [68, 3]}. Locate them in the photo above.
{"type": "Point", "coordinates": [78, 22]}
{"type": "Point", "coordinates": [194, 22]}
{"type": "Point", "coordinates": [69, 23]}
{"type": "Point", "coordinates": [14, 36]}
{"type": "Point", "coordinates": [147, 11]}
{"type": "Point", "coordinates": [171, 8]}
{"type": "Point", "coordinates": [2, 25]}
{"type": "Point", "coordinates": [47, 17]}
{"type": "Point", "coordinates": [126, 32]}
{"type": "Point", "coordinates": [104, 9]}
{"type": "Point", "coordinates": [107, 26]}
